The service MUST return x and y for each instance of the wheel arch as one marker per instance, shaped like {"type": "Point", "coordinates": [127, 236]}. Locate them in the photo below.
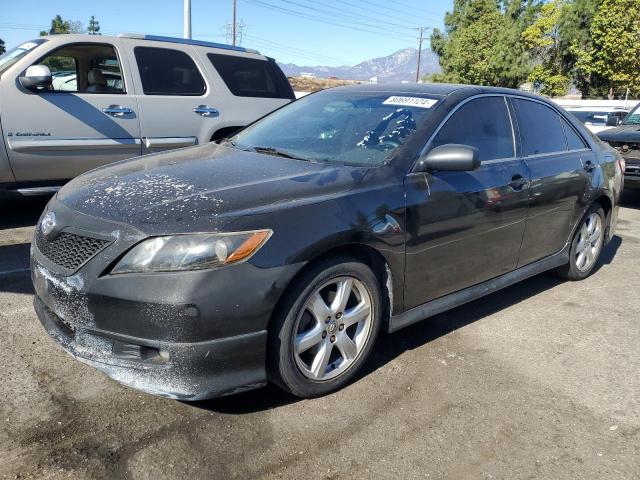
{"type": "Point", "coordinates": [358, 251]}
{"type": "Point", "coordinates": [607, 206]}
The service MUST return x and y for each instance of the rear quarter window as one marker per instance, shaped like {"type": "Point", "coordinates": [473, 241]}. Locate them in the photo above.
{"type": "Point", "coordinates": [249, 77]}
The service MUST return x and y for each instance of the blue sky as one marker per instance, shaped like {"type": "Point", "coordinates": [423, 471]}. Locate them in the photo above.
{"type": "Point", "coordinates": [309, 32]}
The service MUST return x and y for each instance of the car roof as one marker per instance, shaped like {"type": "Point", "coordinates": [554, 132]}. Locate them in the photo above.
{"type": "Point", "coordinates": [156, 38]}
{"type": "Point", "coordinates": [441, 89]}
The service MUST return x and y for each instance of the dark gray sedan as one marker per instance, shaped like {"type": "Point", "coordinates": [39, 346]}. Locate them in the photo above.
{"type": "Point", "coordinates": [281, 253]}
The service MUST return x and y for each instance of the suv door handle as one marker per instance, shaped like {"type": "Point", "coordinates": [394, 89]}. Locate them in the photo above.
{"type": "Point", "coordinates": [589, 166]}
{"type": "Point", "coordinates": [205, 111]}
{"type": "Point", "coordinates": [518, 182]}
{"type": "Point", "coordinates": [117, 110]}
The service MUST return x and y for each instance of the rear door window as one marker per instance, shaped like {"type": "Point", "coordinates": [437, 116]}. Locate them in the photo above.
{"type": "Point", "coordinates": [164, 71]}
{"type": "Point", "coordinates": [540, 128]}
{"type": "Point", "coordinates": [482, 123]}
{"type": "Point", "coordinates": [249, 77]}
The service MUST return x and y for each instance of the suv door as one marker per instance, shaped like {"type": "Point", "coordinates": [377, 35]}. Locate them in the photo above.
{"type": "Point", "coordinates": [87, 119]}
{"type": "Point", "coordinates": [466, 227]}
{"type": "Point", "coordinates": [178, 106]}
{"type": "Point", "coordinates": [560, 166]}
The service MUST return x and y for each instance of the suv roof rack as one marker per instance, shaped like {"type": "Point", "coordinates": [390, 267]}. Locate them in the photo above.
{"type": "Point", "coordinates": [187, 41]}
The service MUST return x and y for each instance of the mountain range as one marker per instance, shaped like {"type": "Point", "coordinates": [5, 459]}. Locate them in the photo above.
{"type": "Point", "coordinates": [397, 67]}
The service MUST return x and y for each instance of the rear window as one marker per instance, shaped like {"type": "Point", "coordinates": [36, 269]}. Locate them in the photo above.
{"type": "Point", "coordinates": [248, 77]}
{"type": "Point", "coordinates": [164, 71]}
{"type": "Point", "coordinates": [574, 141]}
{"type": "Point", "coordinates": [540, 128]}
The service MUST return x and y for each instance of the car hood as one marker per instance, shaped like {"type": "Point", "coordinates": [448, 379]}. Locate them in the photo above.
{"type": "Point", "coordinates": [201, 188]}
{"type": "Point", "coordinates": [623, 133]}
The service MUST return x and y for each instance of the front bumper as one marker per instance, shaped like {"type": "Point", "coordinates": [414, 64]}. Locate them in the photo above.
{"type": "Point", "coordinates": [191, 371]}
{"type": "Point", "coordinates": [185, 335]}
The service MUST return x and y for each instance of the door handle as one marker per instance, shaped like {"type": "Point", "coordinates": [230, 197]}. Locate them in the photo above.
{"type": "Point", "coordinates": [518, 182]}
{"type": "Point", "coordinates": [117, 110]}
{"type": "Point", "coordinates": [589, 166]}
{"type": "Point", "coordinates": [205, 111]}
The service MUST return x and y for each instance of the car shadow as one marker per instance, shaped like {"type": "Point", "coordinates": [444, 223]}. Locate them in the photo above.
{"type": "Point", "coordinates": [390, 346]}
{"type": "Point", "coordinates": [14, 269]}
{"type": "Point", "coordinates": [630, 198]}
{"type": "Point", "coordinates": [21, 211]}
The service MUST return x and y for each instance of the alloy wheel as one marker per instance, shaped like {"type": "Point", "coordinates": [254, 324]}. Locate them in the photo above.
{"type": "Point", "coordinates": [333, 328]}
{"type": "Point", "coordinates": [589, 242]}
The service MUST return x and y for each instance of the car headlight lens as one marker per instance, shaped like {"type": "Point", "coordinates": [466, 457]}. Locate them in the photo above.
{"type": "Point", "coordinates": [191, 252]}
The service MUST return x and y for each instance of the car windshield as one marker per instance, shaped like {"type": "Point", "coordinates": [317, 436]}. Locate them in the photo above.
{"type": "Point", "coordinates": [633, 118]}
{"type": "Point", "coordinates": [342, 127]}
{"type": "Point", "coordinates": [12, 56]}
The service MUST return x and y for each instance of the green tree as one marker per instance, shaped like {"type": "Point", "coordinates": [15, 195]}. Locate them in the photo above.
{"type": "Point", "coordinates": [60, 27]}
{"type": "Point", "coordinates": [614, 53]}
{"type": "Point", "coordinates": [574, 28]}
{"type": "Point", "coordinates": [542, 39]}
{"type": "Point", "coordinates": [482, 42]}
{"type": "Point", "coordinates": [94, 26]}
{"type": "Point", "coordinates": [2, 47]}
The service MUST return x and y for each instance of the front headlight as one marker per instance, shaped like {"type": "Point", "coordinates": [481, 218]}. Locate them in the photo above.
{"type": "Point", "coordinates": [191, 252]}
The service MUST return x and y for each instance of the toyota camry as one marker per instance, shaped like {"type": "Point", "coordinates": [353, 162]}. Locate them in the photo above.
{"type": "Point", "coordinates": [281, 253]}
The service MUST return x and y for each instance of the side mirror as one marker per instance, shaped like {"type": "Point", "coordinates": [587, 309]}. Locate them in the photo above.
{"type": "Point", "coordinates": [36, 77]}
{"type": "Point", "coordinates": [613, 121]}
{"type": "Point", "coordinates": [450, 157]}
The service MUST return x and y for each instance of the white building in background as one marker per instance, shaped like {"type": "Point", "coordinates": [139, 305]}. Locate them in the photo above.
{"type": "Point", "coordinates": [373, 80]}
{"type": "Point", "coordinates": [307, 75]}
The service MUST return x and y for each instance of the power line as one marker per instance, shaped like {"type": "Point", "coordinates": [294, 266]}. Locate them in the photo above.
{"type": "Point", "coordinates": [345, 24]}
{"type": "Point", "coordinates": [303, 53]}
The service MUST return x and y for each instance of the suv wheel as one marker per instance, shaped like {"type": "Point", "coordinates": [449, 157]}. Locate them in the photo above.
{"type": "Point", "coordinates": [586, 246]}
{"type": "Point", "coordinates": [326, 328]}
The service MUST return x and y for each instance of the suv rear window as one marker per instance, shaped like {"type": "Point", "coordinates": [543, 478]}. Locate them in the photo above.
{"type": "Point", "coordinates": [248, 77]}
{"type": "Point", "coordinates": [164, 71]}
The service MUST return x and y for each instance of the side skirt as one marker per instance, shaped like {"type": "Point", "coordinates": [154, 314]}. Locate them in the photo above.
{"type": "Point", "coordinates": [469, 294]}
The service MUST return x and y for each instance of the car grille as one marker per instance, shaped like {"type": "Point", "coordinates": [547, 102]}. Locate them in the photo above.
{"type": "Point", "coordinates": [69, 250]}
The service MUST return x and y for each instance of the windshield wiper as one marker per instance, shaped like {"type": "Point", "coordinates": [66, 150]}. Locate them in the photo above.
{"type": "Point", "coordinates": [275, 152]}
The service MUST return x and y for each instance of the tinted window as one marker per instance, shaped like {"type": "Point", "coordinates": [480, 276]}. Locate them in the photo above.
{"type": "Point", "coordinates": [248, 77]}
{"type": "Point", "coordinates": [168, 72]}
{"type": "Point", "coordinates": [540, 128]}
{"type": "Point", "coordinates": [574, 141]}
{"type": "Point", "coordinates": [482, 123]}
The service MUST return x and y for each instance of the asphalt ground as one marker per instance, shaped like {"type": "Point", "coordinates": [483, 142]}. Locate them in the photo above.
{"type": "Point", "coordinates": [541, 380]}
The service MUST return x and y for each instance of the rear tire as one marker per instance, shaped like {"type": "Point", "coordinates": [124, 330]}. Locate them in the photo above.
{"type": "Point", "coordinates": [586, 246]}
{"type": "Point", "coordinates": [325, 328]}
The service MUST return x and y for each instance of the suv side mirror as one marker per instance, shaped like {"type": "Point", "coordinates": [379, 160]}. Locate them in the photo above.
{"type": "Point", "coordinates": [450, 157]}
{"type": "Point", "coordinates": [36, 77]}
{"type": "Point", "coordinates": [613, 121]}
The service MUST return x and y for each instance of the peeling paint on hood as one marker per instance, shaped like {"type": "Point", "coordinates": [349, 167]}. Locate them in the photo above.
{"type": "Point", "coordinates": [198, 185]}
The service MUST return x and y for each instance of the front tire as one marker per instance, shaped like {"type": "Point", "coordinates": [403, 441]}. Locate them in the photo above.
{"type": "Point", "coordinates": [586, 246]}
{"type": "Point", "coordinates": [325, 328]}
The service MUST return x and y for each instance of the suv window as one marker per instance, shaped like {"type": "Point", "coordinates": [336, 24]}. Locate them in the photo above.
{"type": "Point", "coordinates": [164, 71]}
{"type": "Point", "coordinates": [482, 123]}
{"type": "Point", "coordinates": [540, 128]}
{"type": "Point", "coordinates": [85, 68]}
{"type": "Point", "coordinates": [574, 141]}
{"type": "Point", "coordinates": [248, 77]}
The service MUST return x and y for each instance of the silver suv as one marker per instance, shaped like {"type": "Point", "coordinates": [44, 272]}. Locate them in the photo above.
{"type": "Point", "coordinates": [70, 103]}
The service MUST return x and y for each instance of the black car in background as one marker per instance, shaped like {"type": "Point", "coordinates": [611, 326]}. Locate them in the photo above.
{"type": "Point", "coordinates": [281, 253]}
{"type": "Point", "coordinates": [626, 139]}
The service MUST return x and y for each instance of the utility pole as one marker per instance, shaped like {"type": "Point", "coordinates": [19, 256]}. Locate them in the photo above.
{"type": "Point", "coordinates": [187, 19]}
{"type": "Point", "coordinates": [233, 26]}
{"type": "Point", "coordinates": [421, 30]}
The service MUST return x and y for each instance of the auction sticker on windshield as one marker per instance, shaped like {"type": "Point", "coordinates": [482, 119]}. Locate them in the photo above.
{"type": "Point", "coordinates": [411, 102]}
